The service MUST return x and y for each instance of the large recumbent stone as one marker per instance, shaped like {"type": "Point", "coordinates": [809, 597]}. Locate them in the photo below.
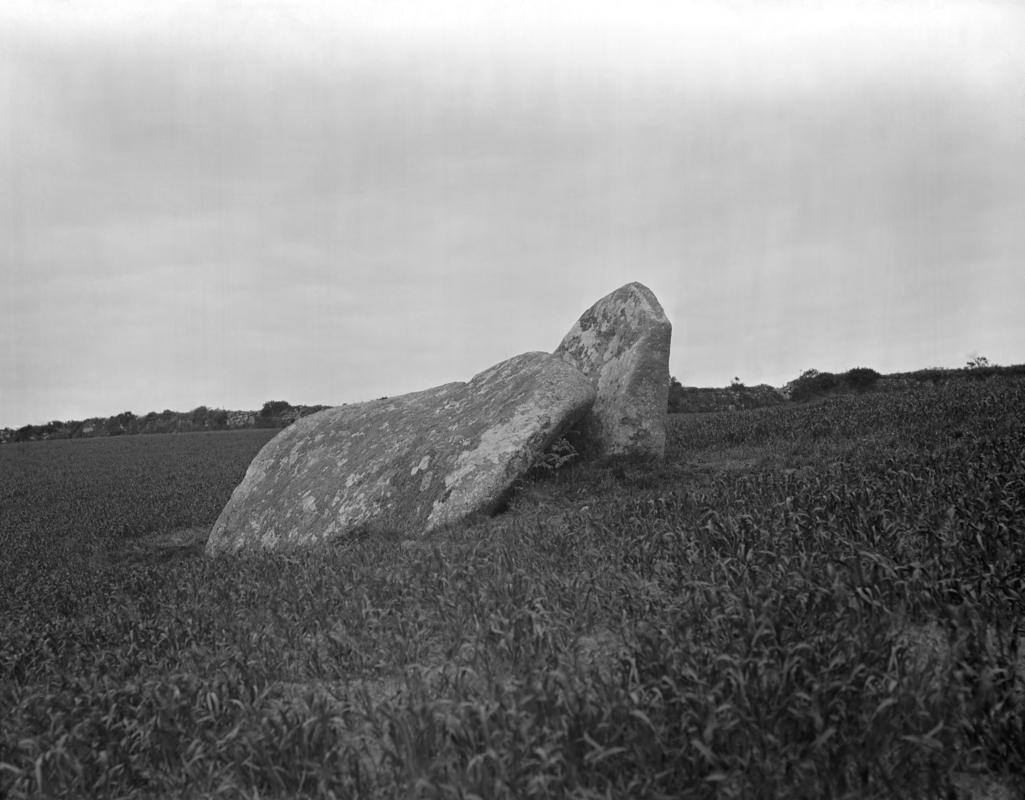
{"type": "Point", "coordinates": [409, 464]}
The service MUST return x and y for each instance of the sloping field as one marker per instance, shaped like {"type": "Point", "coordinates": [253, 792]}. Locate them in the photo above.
{"type": "Point", "coordinates": [803, 601]}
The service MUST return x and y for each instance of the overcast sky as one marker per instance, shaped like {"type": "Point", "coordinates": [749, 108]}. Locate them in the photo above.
{"type": "Point", "coordinates": [225, 203]}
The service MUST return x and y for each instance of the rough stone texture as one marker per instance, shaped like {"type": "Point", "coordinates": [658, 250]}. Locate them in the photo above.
{"type": "Point", "coordinates": [622, 344]}
{"type": "Point", "coordinates": [409, 463]}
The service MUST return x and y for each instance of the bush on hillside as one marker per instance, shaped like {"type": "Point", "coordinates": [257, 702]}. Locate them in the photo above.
{"type": "Point", "coordinates": [812, 383]}
{"type": "Point", "coordinates": [275, 408]}
{"type": "Point", "coordinates": [861, 378]}
{"type": "Point", "coordinates": [675, 396]}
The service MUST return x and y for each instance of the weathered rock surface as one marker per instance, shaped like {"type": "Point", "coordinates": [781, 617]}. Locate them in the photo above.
{"type": "Point", "coordinates": [622, 344]}
{"type": "Point", "coordinates": [409, 463]}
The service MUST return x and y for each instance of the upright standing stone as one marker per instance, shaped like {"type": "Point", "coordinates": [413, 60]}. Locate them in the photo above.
{"type": "Point", "coordinates": [409, 463]}
{"type": "Point", "coordinates": [622, 344]}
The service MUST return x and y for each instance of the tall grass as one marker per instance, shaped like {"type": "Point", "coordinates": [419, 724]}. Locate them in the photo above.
{"type": "Point", "coordinates": [804, 601]}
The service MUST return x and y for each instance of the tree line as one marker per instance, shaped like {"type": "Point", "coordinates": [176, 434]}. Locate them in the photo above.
{"type": "Point", "coordinates": [810, 385]}
{"type": "Point", "coordinates": [274, 414]}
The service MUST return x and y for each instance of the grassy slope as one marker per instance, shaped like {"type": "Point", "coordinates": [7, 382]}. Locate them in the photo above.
{"type": "Point", "coordinates": [820, 600]}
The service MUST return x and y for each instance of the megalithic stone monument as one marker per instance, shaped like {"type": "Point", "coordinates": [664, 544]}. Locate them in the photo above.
{"type": "Point", "coordinates": [409, 464]}
{"type": "Point", "coordinates": [622, 344]}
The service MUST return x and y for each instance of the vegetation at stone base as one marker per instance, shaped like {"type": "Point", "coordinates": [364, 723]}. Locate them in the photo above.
{"type": "Point", "coordinates": [274, 414]}
{"type": "Point", "coordinates": [812, 600]}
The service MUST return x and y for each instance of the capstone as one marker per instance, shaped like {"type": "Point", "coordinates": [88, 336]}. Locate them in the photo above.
{"type": "Point", "coordinates": [408, 464]}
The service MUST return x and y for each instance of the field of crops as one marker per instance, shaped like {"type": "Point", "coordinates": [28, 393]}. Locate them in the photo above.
{"type": "Point", "coordinates": [803, 601]}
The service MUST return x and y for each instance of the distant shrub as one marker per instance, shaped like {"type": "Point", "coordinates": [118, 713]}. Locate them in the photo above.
{"type": "Point", "coordinates": [812, 383]}
{"type": "Point", "coordinates": [861, 378]}
{"type": "Point", "coordinates": [675, 396]}
{"type": "Point", "coordinates": [274, 408]}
